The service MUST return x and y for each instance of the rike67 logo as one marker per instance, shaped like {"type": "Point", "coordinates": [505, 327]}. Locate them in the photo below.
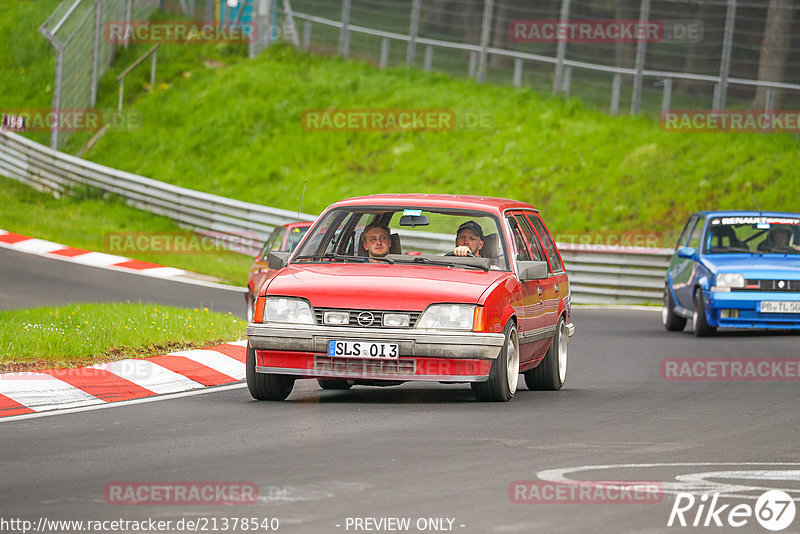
{"type": "Point", "coordinates": [774, 510]}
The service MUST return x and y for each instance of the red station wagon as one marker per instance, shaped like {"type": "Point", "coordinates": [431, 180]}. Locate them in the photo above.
{"type": "Point", "coordinates": [483, 298]}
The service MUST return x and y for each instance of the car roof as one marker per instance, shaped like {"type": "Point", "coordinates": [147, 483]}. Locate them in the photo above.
{"type": "Point", "coordinates": [302, 224]}
{"type": "Point", "coordinates": [497, 205]}
{"type": "Point", "coordinates": [746, 213]}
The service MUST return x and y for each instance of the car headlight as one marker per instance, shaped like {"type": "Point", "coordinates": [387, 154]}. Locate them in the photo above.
{"type": "Point", "coordinates": [448, 317]}
{"type": "Point", "coordinates": [730, 280]}
{"type": "Point", "coordinates": [287, 310]}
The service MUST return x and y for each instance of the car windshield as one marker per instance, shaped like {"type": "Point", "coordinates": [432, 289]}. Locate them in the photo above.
{"type": "Point", "coordinates": [416, 236]}
{"type": "Point", "coordinates": [295, 235]}
{"type": "Point", "coordinates": [752, 234]}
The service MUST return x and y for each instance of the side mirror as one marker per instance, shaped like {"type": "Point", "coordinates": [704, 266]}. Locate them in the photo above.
{"type": "Point", "coordinates": [532, 270]}
{"type": "Point", "coordinates": [277, 259]}
{"type": "Point", "coordinates": [686, 252]}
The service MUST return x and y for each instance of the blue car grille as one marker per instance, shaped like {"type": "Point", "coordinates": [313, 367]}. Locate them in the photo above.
{"type": "Point", "coordinates": [377, 317]}
{"type": "Point", "coordinates": [770, 285]}
{"type": "Point", "coordinates": [752, 315]}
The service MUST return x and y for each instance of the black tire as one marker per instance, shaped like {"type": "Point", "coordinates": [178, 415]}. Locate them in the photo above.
{"type": "Point", "coordinates": [551, 373]}
{"type": "Point", "coordinates": [502, 383]}
{"type": "Point", "coordinates": [265, 386]}
{"type": "Point", "coordinates": [333, 383]}
{"type": "Point", "coordinates": [249, 301]}
{"type": "Point", "coordinates": [699, 321]}
{"type": "Point", "coordinates": [671, 321]}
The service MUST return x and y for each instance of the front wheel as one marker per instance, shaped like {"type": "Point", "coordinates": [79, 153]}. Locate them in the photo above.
{"type": "Point", "coordinates": [552, 372]}
{"type": "Point", "coordinates": [264, 386]}
{"type": "Point", "coordinates": [670, 321]}
{"type": "Point", "coordinates": [699, 320]}
{"type": "Point", "coordinates": [504, 374]}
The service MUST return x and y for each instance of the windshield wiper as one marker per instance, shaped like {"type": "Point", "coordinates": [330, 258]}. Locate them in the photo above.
{"type": "Point", "coordinates": [734, 249]}
{"type": "Point", "coordinates": [343, 257]}
{"type": "Point", "coordinates": [426, 261]}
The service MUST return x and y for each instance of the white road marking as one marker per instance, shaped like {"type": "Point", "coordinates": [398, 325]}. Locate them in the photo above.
{"type": "Point", "coordinates": [41, 392]}
{"type": "Point", "coordinates": [150, 376]}
{"type": "Point", "coordinates": [215, 360]}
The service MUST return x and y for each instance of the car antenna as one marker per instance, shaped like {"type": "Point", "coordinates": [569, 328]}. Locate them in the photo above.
{"type": "Point", "coordinates": [302, 196]}
{"type": "Point", "coordinates": [760, 211]}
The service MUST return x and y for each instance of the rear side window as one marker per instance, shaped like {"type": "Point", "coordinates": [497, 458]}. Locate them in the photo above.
{"type": "Point", "coordinates": [520, 248]}
{"type": "Point", "coordinates": [536, 247]}
{"type": "Point", "coordinates": [547, 241]}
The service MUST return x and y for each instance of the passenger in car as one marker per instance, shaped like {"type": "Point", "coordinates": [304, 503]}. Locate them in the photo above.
{"type": "Point", "coordinates": [376, 240]}
{"type": "Point", "coordinates": [778, 237]}
{"type": "Point", "coordinates": [469, 239]}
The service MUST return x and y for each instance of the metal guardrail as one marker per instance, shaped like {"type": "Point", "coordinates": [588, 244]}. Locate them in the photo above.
{"type": "Point", "coordinates": [597, 274]}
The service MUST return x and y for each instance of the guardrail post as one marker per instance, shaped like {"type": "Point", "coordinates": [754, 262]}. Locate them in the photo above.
{"type": "Point", "coordinates": [517, 72]}
{"type": "Point", "coordinates": [128, 8]}
{"type": "Point", "coordinates": [428, 57]}
{"type": "Point", "coordinates": [488, 10]}
{"type": "Point", "coordinates": [384, 53]}
{"type": "Point", "coordinates": [344, 33]}
{"type": "Point", "coordinates": [616, 84]}
{"type": "Point", "coordinates": [666, 96]}
{"type": "Point", "coordinates": [307, 35]}
{"type": "Point", "coordinates": [641, 49]}
{"type": "Point", "coordinates": [153, 71]}
{"type": "Point", "coordinates": [473, 62]}
{"type": "Point", "coordinates": [413, 29]}
{"type": "Point", "coordinates": [725, 61]}
{"type": "Point", "coordinates": [98, 30]}
{"type": "Point", "coordinates": [561, 48]}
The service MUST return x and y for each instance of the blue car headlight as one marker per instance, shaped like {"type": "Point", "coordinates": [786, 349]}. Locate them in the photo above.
{"type": "Point", "coordinates": [726, 281]}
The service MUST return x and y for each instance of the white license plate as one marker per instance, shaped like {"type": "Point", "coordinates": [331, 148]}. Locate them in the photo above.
{"type": "Point", "coordinates": [363, 349]}
{"type": "Point", "coordinates": [779, 306]}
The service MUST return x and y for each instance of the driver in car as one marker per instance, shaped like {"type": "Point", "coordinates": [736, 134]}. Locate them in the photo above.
{"type": "Point", "coordinates": [777, 238]}
{"type": "Point", "coordinates": [376, 240]}
{"type": "Point", "coordinates": [469, 239]}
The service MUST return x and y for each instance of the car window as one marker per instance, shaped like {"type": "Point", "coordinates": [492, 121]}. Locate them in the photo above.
{"type": "Point", "coordinates": [697, 234]}
{"type": "Point", "coordinates": [685, 233]}
{"type": "Point", "coordinates": [537, 250]}
{"type": "Point", "coordinates": [547, 241]}
{"type": "Point", "coordinates": [295, 235]}
{"type": "Point", "coordinates": [273, 242]}
{"type": "Point", "coordinates": [519, 246]}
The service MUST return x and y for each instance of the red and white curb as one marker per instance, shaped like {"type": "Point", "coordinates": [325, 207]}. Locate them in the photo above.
{"type": "Point", "coordinates": [49, 249]}
{"type": "Point", "coordinates": [55, 389]}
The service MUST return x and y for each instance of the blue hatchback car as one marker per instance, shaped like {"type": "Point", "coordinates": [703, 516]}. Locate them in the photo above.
{"type": "Point", "coordinates": [737, 269]}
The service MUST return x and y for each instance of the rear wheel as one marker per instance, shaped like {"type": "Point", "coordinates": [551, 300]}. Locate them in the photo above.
{"type": "Point", "coordinates": [699, 321]}
{"type": "Point", "coordinates": [264, 386]}
{"type": "Point", "coordinates": [504, 374]}
{"type": "Point", "coordinates": [333, 383]}
{"type": "Point", "coordinates": [671, 321]}
{"type": "Point", "coordinates": [552, 372]}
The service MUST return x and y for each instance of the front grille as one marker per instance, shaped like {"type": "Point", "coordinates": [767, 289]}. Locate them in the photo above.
{"type": "Point", "coordinates": [377, 317]}
{"type": "Point", "coordinates": [349, 366]}
{"type": "Point", "coordinates": [770, 285]}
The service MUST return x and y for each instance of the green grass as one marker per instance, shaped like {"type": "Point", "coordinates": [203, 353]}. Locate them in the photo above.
{"type": "Point", "coordinates": [83, 334]}
{"type": "Point", "coordinates": [236, 132]}
{"type": "Point", "coordinates": [84, 221]}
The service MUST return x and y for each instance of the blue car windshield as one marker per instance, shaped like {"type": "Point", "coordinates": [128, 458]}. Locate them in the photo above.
{"type": "Point", "coordinates": [753, 234]}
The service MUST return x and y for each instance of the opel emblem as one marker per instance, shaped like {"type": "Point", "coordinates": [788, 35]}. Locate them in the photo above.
{"type": "Point", "coordinates": [365, 318]}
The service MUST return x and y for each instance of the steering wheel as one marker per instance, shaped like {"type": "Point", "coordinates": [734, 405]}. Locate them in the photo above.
{"type": "Point", "coordinates": [469, 255]}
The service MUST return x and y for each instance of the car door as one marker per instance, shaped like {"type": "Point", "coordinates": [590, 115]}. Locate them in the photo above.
{"type": "Point", "coordinates": [530, 310]}
{"type": "Point", "coordinates": [684, 272]}
{"type": "Point", "coordinates": [556, 286]}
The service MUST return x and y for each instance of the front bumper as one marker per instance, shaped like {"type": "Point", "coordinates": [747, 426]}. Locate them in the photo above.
{"type": "Point", "coordinates": [412, 343]}
{"type": "Point", "coordinates": [747, 304]}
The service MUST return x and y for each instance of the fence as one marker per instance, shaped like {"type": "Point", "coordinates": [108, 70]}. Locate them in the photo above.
{"type": "Point", "coordinates": [598, 277]}
{"type": "Point", "coordinates": [709, 54]}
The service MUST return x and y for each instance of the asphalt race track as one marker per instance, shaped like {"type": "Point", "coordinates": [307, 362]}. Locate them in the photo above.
{"type": "Point", "coordinates": [326, 462]}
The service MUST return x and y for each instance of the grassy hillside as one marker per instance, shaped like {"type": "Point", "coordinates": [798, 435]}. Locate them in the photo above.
{"type": "Point", "coordinates": [236, 131]}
